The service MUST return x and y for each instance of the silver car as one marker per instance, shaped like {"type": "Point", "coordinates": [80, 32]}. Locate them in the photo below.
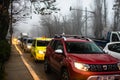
{"type": "Point", "coordinates": [27, 44]}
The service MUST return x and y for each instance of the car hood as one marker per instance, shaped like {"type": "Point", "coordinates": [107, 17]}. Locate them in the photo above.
{"type": "Point", "coordinates": [93, 58]}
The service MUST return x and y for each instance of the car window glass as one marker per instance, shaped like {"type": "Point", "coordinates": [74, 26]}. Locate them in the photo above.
{"type": "Point", "coordinates": [30, 41]}
{"type": "Point", "coordinates": [82, 47]}
{"type": "Point", "coordinates": [54, 44]}
{"type": "Point", "coordinates": [24, 40]}
{"type": "Point", "coordinates": [33, 43]}
{"type": "Point", "coordinates": [42, 43]}
{"type": "Point", "coordinates": [115, 37]}
{"type": "Point", "coordinates": [119, 34]}
{"type": "Point", "coordinates": [51, 43]}
{"type": "Point", "coordinates": [59, 45]}
{"type": "Point", "coordinates": [114, 47]}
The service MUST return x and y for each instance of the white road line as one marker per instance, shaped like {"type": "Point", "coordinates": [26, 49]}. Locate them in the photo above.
{"type": "Point", "coordinates": [32, 72]}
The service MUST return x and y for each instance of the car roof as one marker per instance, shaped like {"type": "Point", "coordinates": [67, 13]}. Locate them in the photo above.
{"type": "Point", "coordinates": [81, 40]}
{"type": "Point", "coordinates": [44, 39]}
{"type": "Point", "coordinates": [73, 38]}
{"type": "Point", "coordinates": [29, 38]}
{"type": "Point", "coordinates": [113, 43]}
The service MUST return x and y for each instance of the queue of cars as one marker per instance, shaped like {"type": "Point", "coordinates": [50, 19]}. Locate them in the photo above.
{"type": "Point", "coordinates": [75, 58]}
{"type": "Point", "coordinates": [78, 58]}
{"type": "Point", "coordinates": [35, 46]}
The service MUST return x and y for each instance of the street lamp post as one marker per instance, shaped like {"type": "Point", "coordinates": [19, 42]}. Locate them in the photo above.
{"type": "Point", "coordinates": [86, 16]}
{"type": "Point", "coordinates": [86, 21]}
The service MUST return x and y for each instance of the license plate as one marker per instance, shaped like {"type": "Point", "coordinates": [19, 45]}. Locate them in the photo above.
{"type": "Point", "coordinates": [108, 78]}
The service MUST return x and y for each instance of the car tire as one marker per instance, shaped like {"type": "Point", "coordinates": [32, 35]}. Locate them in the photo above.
{"type": "Point", "coordinates": [24, 49]}
{"type": "Point", "coordinates": [47, 66]}
{"type": "Point", "coordinates": [31, 55]}
{"type": "Point", "coordinates": [36, 61]}
{"type": "Point", "coordinates": [64, 74]}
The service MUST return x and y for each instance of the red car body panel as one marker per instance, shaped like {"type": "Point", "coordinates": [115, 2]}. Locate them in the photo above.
{"type": "Point", "coordinates": [94, 58]}
{"type": "Point", "coordinates": [57, 61]}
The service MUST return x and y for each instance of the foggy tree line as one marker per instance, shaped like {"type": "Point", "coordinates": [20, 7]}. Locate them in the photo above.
{"type": "Point", "coordinates": [75, 24]}
{"type": "Point", "coordinates": [116, 8]}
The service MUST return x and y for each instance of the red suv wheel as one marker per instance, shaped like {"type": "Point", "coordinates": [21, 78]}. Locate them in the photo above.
{"type": "Point", "coordinates": [64, 75]}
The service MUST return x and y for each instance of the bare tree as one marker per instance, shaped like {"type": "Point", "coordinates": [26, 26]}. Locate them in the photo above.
{"type": "Point", "coordinates": [66, 26]}
{"type": "Point", "coordinates": [77, 21]}
{"type": "Point", "coordinates": [98, 20]}
{"type": "Point", "coordinates": [116, 8]}
{"type": "Point", "coordinates": [4, 18]}
{"type": "Point", "coordinates": [36, 31]}
{"type": "Point", "coordinates": [50, 25]}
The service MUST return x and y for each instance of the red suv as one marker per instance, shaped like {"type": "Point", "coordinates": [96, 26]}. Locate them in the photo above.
{"type": "Point", "coordinates": [79, 58]}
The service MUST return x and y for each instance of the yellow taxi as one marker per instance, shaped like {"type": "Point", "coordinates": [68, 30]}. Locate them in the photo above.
{"type": "Point", "coordinates": [38, 48]}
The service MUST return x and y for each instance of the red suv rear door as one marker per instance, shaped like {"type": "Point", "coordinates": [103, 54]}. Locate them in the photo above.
{"type": "Point", "coordinates": [57, 56]}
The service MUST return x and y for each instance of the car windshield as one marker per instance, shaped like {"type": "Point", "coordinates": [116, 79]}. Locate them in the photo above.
{"type": "Point", "coordinates": [119, 34]}
{"type": "Point", "coordinates": [82, 47]}
{"type": "Point", "coordinates": [114, 47]}
{"type": "Point", "coordinates": [42, 43]}
{"type": "Point", "coordinates": [30, 40]}
{"type": "Point", "coordinates": [24, 40]}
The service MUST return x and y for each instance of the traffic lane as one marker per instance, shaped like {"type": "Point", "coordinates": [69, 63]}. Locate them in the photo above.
{"type": "Point", "coordinates": [38, 67]}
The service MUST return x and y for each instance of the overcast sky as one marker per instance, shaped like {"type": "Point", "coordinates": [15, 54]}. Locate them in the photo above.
{"type": "Point", "coordinates": [64, 5]}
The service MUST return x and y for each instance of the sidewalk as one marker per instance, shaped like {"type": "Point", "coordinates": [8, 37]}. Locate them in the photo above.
{"type": "Point", "coordinates": [15, 68]}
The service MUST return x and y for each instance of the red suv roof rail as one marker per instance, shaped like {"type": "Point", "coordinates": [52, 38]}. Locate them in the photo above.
{"type": "Point", "coordinates": [71, 36]}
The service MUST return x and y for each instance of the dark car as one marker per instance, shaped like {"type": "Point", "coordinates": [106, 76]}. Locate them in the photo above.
{"type": "Point", "coordinates": [22, 42]}
{"type": "Point", "coordinates": [79, 58]}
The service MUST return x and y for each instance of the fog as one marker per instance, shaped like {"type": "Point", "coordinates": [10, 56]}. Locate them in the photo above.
{"type": "Point", "coordinates": [33, 20]}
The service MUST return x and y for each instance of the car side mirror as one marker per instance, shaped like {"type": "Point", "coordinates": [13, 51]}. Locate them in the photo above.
{"type": "Point", "coordinates": [58, 51]}
{"type": "Point", "coordinates": [105, 51]}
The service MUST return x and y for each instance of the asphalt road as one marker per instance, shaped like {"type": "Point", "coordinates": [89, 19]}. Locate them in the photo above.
{"type": "Point", "coordinates": [38, 67]}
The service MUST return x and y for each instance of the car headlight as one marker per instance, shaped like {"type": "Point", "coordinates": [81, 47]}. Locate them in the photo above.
{"type": "Point", "coordinates": [40, 52]}
{"type": "Point", "coordinates": [81, 66]}
{"type": "Point", "coordinates": [28, 46]}
{"type": "Point", "coordinates": [118, 64]}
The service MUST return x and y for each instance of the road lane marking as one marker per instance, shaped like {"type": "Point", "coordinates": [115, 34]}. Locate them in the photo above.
{"type": "Point", "coordinates": [32, 72]}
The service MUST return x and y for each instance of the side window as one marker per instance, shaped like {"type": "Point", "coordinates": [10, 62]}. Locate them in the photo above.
{"type": "Point", "coordinates": [59, 45]}
{"type": "Point", "coordinates": [33, 43]}
{"type": "Point", "coordinates": [56, 44]}
{"type": "Point", "coordinates": [115, 37]}
{"type": "Point", "coordinates": [111, 47]}
{"type": "Point", "coordinates": [53, 44]}
{"type": "Point", "coordinates": [114, 47]}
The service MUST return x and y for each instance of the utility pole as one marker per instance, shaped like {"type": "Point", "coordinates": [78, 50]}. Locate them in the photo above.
{"type": "Point", "coordinates": [105, 13]}
{"type": "Point", "coordinates": [86, 21]}
{"type": "Point", "coordinates": [86, 16]}
{"type": "Point", "coordinates": [116, 8]}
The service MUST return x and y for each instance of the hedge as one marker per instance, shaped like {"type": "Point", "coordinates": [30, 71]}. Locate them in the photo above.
{"type": "Point", "coordinates": [5, 51]}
